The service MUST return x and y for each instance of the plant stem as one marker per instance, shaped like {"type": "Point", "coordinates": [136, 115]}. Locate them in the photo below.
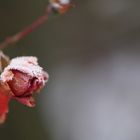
{"type": "Point", "coordinates": [27, 30]}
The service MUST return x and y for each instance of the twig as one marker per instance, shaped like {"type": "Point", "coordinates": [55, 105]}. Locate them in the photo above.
{"type": "Point", "coordinates": [20, 35]}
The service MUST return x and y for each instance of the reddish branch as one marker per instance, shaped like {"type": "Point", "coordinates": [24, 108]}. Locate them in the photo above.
{"type": "Point", "coordinates": [20, 35]}
{"type": "Point", "coordinates": [57, 5]}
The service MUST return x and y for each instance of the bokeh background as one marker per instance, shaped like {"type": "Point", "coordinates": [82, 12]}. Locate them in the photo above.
{"type": "Point", "coordinates": [92, 54]}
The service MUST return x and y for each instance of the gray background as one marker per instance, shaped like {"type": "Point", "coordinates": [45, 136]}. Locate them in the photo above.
{"type": "Point", "coordinates": [93, 57]}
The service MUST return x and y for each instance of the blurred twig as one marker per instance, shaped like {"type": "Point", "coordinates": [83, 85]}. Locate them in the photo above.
{"type": "Point", "coordinates": [37, 23]}
{"type": "Point", "coordinates": [20, 35]}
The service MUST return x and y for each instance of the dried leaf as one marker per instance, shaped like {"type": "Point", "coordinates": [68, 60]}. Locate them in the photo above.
{"type": "Point", "coordinates": [4, 61]}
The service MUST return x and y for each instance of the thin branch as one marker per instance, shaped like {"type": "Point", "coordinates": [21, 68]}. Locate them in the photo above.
{"type": "Point", "coordinates": [26, 31]}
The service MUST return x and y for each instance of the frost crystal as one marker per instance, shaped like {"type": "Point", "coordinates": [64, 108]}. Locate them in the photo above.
{"type": "Point", "coordinates": [28, 65]}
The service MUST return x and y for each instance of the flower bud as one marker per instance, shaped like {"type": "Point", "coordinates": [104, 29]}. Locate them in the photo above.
{"type": "Point", "coordinates": [24, 77]}
{"type": "Point", "coordinates": [60, 6]}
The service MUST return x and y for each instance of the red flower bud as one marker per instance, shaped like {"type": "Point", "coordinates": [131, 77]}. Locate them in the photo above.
{"type": "Point", "coordinates": [20, 80]}
{"type": "Point", "coordinates": [24, 77]}
{"type": "Point", "coordinates": [20, 83]}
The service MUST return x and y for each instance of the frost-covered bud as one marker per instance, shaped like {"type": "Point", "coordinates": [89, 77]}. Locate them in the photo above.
{"type": "Point", "coordinates": [60, 6]}
{"type": "Point", "coordinates": [24, 77]}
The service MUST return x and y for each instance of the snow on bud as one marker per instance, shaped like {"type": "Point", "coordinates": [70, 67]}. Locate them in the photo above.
{"type": "Point", "coordinates": [24, 77]}
{"type": "Point", "coordinates": [60, 6]}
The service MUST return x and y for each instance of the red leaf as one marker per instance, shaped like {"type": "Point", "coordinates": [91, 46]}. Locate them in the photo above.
{"type": "Point", "coordinates": [4, 101]}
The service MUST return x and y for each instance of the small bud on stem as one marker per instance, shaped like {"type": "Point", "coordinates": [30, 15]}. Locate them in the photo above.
{"type": "Point", "coordinates": [20, 80]}
{"type": "Point", "coordinates": [22, 77]}
{"type": "Point", "coordinates": [61, 6]}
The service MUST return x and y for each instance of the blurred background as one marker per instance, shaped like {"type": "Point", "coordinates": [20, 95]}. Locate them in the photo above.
{"type": "Point", "coordinates": [92, 54]}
